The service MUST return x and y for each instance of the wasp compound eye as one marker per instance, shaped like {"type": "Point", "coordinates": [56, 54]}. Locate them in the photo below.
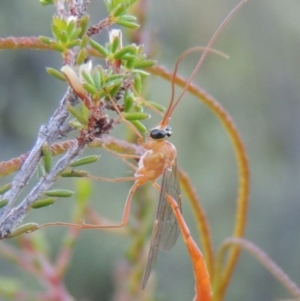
{"type": "Point", "coordinates": [161, 134]}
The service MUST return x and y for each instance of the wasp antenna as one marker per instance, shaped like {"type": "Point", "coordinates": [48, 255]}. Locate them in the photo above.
{"type": "Point", "coordinates": [181, 57]}
{"type": "Point", "coordinates": [206, 50]}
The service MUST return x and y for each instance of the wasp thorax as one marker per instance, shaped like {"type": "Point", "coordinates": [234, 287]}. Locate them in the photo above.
{"type": "Point", "coordinates": [161, 133]}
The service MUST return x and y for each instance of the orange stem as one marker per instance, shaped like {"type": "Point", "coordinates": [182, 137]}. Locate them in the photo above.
{"type": "Point", "coordinates": [23, 43]}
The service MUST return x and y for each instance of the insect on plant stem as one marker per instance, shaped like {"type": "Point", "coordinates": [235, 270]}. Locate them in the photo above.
{"type": "Point", "coordinates": [160, 159]}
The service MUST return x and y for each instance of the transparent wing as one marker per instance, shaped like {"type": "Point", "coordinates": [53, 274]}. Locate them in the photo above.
{"type": "Point", "coordinates": [165, 229]}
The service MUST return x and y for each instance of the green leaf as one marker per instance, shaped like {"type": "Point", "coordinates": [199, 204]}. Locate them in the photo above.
{"type": "Point", "coordinates": [85, 160]}
{"type": "Point", "coordinates": [57, 74]}
{"type": "Point", "coordinates": [127, 24]}
{"type": "Point", "coordinates": [43, 203]}
{"type": "Point", "coordinates": [74, 123]}
{"type": "Point", "coordinates": [60, 193]}
{"type": "Point", "coordinates": [143, 63]}
{"type": "Point", "coordinates": [47, 156]}
{"type": "Point", "coordinates": [75, 34]}
{"type": "Point", "coordinates": [119, 10]}
{"type": "Point", "coordinates": [128, 102]}
{"type": "Point", "coordinates": [46, 2]}
{"type": "Point", "coordinates": [141, 128]}
{"type": "Point", "coordinates": [85, 40]}
{"type": "Point", "coordinates": [70, 173]}
{"type": "Point", "coordinates": [77, 113]}
{"type": "Point", "coordinates": [130, 60]}
{"type": "Point", "coordinates": [97, 79]}
{"type": "Point", "coordinates": [29, 227]}
{"type": "Point", "coordinates": [3, 203]}
{"type": "Point", "coordinates": [129, 18]}
{"type": "Point", "coordinates": [108, 5]}
{"type": "Point", "coordinates": [138, 83]}
{"type": "Point", "coordinates": [136, 116]}
{"type": "Point", "coordinates": [130, 49]}
{"type": "Point", "coordinates": [84, 111]}
{"type": "Point", "coordinates": [41, 172]}
{"type": "Point", "coordinates": [70, 27]}
{"type": "Point", "coordinates": [157, 106]}
{"type": "Point", "coordinates": [57, 47]}
{"type": "Point", "coordinates": [89, 88]}
{"type": "Point", "coordinates": [115, 44]}
{"type": "Point", "coordinates": [99, 48]}
{"type": "Point", "coordinates": [56, 31]}
{"type": "Point", "coordinates": [5, 188]}
{"type": "Point", "coordinates": [81, 57]}
{"type": "Point", "coordinates": [83, 25]}
{"type": "Point", "coordinates": [88, 78]}
{"type": "Point", "coordinates": [73, 43]}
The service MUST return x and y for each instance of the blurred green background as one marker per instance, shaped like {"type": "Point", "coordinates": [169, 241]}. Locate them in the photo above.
{"type": "Point", "coordinates": [258, 86]}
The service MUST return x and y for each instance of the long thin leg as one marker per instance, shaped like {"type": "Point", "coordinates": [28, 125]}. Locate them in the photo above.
{"type": "Point", "coordinates": [129, 156]}
{"type": "Point", "coordinates": [115, 180]}
{"type": "Point", "coordinates": [124, 221]}
{"type": "Point", "coordinates": [124, 156]}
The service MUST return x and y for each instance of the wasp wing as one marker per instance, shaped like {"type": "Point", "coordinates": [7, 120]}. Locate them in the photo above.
{"type": "Point", "coordinates": [165, 230]}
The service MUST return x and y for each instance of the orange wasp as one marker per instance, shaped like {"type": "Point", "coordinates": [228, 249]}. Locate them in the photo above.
{"type": "Point", "coordinates": [160, 160]}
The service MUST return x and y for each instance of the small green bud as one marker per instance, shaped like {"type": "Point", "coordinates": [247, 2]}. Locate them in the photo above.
{"type": "Point", "coordinates": [45, 40]}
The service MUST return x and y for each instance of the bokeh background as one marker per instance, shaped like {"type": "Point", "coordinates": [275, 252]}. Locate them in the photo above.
{"type": "Point", "coordinates": [258, 86]}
